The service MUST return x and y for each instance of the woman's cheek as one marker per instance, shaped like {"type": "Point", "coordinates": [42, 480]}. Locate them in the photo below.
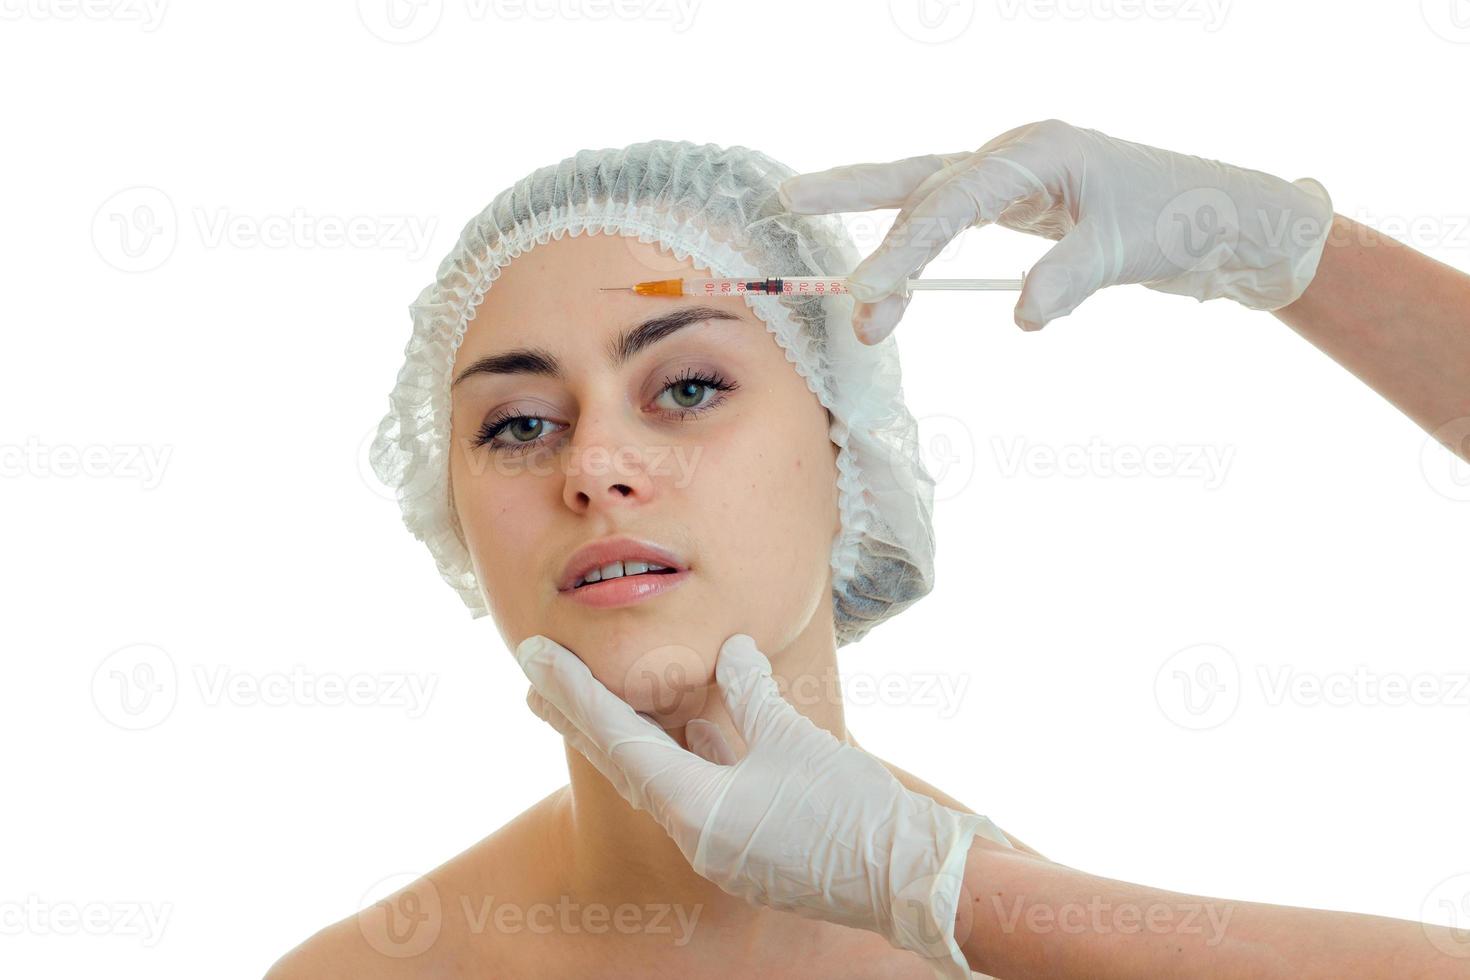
{"type": "Point", "coordinates": [766, 518]}
{"type": "Point", "coordinates": [499, 519]}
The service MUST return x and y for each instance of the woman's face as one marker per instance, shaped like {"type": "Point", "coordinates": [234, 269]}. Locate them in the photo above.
{"type": "Point", "coordinates": [581, 416]}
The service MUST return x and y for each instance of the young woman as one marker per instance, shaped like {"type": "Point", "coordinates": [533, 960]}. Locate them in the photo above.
{"type": "Point", "coordinates": [640, 480]}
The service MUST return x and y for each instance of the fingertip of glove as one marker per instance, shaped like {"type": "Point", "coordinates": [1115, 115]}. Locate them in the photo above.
{"type": "Point", "coordinates": [874, 322]}
{"type": "Point", "coordinates": [531, 646]}
{"type": "Point", "coordinates": [697, 734]}
{"type": "Point", "coordinates": [1029, 314]}
{"type": "Point", "coordinates": [870, 327]}
{"type": "Point", "coordinates": [739, 641]}
{"type": "Point", "coordinates": [739, 655]}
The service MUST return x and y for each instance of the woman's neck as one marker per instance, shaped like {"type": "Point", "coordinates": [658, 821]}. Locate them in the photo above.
{"type": "Point", "coordinates": [619, 855]}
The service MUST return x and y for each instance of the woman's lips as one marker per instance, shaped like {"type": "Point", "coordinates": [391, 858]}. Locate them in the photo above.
{"type": "Point", "coordinates": [619, 548]}
{"type": "Point", "coordinates": [626, 590]}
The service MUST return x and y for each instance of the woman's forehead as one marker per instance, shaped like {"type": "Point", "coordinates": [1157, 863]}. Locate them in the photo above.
{"type": "Point", "coordinates": [559, 284]}
{"type": "Point", "coordinates": [589, 261]}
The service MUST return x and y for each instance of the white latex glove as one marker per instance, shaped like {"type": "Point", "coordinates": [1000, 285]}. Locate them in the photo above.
{"type": "Point", "coordinates": [1120, 212]}
{"type": "Point", "coordinates": [803, 823]}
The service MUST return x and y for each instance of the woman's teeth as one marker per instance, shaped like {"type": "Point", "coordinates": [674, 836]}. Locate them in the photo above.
{"type": "Point", "coordinates": [619, 569]}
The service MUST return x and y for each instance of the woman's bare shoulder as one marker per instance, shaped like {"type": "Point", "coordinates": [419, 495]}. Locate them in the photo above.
{"type": "Point", "coordinates": [432, 926]}
{"type": "Point", "coordinates": [914, 784]}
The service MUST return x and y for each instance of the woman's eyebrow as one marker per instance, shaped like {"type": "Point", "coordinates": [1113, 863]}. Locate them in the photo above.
{"type": "Point", "coordinates": [536, 360]}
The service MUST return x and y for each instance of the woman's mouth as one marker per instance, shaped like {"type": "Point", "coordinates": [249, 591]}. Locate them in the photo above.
{"type": "Point", "coordinates": [620, 571]}
{"type": "Point", "coordinates": [624, 583]}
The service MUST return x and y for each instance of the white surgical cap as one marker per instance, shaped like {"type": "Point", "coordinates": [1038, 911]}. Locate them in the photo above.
{"type": "Point", "coordinates": [718, 208]}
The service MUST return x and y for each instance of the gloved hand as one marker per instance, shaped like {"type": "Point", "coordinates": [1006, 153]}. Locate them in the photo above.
{"type": "Point", "coordinates": [803, 823]}
{"type": "Point", "coordinates": [1120, 212]}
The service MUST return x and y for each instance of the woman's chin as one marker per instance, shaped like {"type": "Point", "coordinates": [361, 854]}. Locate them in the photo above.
{"type": "Point", "coordinates": [670, 683]}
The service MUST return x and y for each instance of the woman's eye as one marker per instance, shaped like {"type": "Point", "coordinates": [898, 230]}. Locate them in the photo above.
{"type": "Point", "coordinates": [523, 428]}
{"type": "Point", "coordinates": [688, 393]}
{"type": "Point", "coordinates": [515, 433]}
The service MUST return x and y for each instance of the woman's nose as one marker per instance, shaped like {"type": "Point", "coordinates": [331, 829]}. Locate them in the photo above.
{"type": "Point", "coordinates": [606, 469]}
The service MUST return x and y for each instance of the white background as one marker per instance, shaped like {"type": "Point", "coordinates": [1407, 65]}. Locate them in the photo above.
{"type": "Point", "coordinates": [249, 354]}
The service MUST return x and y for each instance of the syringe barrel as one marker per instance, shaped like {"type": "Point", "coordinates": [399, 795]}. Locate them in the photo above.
{"type": "Point", "coordinates": [784, 285]}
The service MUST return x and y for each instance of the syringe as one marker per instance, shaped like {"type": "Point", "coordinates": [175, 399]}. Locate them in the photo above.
{"type": "Point", "coordinates": [792, 286]}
